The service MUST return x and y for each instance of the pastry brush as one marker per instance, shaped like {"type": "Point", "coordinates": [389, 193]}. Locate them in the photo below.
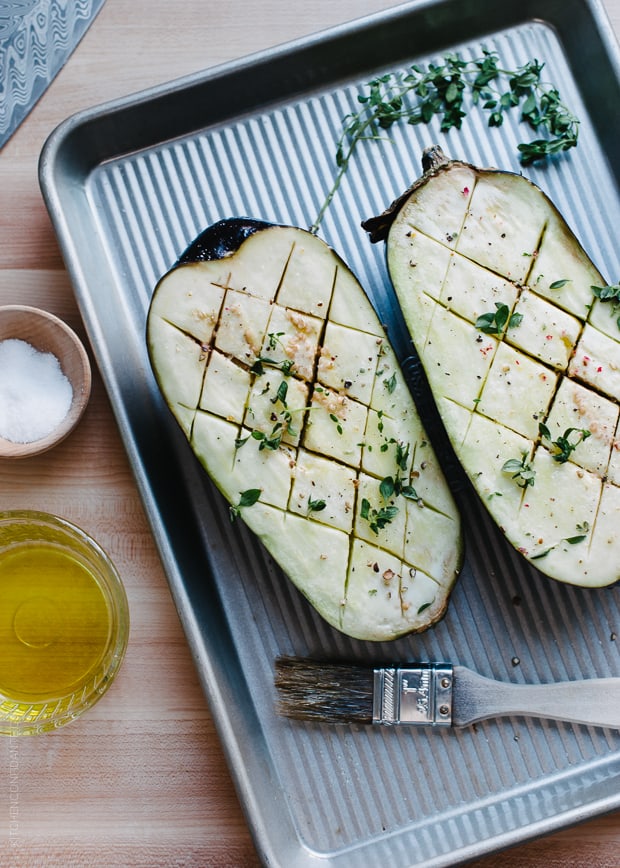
{"type": "Point", "coordinates": [435, 694]}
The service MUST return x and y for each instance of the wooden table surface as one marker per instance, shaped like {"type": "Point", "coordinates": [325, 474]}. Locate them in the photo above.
{"type": "Point", "coordinates": [141, 779]}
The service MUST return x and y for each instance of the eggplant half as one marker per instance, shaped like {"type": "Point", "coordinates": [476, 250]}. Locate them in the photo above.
{"type": "Point", "coordinates": [519, 339]}
{"type": "Point", "coordinates": [274, 363]}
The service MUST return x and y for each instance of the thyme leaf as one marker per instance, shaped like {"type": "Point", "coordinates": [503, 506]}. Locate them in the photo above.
{"type": "Point", "coordinates": [247, 498]}
{"type": "Point", "coordinates": [409, 492]}
{"type": "Point", "coordinates": [387, 487]}
{"type": "Point", "coordinates": [390, 384]}
{"type": "Point", "coordinates": [336, 422]}
{"type": "Point", "coordinates": [402, 455]}
{"type": "Point", "coordinates": [239, 441]}
{"type": "Point", "coordinates": [610, 294]}
{"type": "Point", "coordinates": [281, 394]}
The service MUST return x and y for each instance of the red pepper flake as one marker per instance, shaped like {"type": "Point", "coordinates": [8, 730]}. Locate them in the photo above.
{"type": "Point", "coordinates": [548, 337]}
{"type": "Point", "coordinates": [465, 191]}
{"type": "Point", "coordinates": [599, 369]}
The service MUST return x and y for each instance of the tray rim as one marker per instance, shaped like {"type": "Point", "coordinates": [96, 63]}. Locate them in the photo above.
{"type": "Point", "coordinates": [60, 137]}
{"type": "Point", "coordinates": [50, 178]}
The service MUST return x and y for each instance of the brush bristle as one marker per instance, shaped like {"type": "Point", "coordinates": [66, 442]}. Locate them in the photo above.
{"type": "Point", "coordinates": [327, 692]}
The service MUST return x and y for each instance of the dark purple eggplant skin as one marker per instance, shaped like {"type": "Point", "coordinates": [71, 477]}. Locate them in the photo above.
{"type": "Point", "coordinates": [221, 239]}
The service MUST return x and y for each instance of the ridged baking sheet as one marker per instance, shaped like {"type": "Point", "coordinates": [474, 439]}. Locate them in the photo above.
{"type": "Point", "coordinates": [128, 185]}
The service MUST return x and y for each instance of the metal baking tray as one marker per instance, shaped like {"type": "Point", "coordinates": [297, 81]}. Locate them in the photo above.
{"type": "Point", "coordinates": [128, 185]}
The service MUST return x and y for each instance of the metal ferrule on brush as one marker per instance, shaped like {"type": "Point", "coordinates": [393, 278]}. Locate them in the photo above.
{"type": "Point", "coordinates": [419, 694]}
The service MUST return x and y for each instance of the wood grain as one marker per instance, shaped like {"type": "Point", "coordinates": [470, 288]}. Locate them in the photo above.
{"type": "Point", "coordinates": [141, 780]}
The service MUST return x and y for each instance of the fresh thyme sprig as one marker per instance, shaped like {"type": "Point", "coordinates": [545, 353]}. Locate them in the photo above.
{"type": "Point", "coordinates": [389, 487]}
{"type": "Point", "coordinates": [285, 366]}
{"type": "Point", "coordinates": [419, 94]}
{"type": "Point", "coordinates": [283, 424]}
{"type": "Point", "coordinates": [564, 447]}
{"type": "Point", "coordinates": [521, 470]}
{"type": "Point", "coordinates": [377, 518]}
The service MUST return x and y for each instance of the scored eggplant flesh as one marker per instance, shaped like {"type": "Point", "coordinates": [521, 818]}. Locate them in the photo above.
{"type": "Point", "coordinates": [274, 363]}
{"type": "Point", "coordinates": [532, 411]}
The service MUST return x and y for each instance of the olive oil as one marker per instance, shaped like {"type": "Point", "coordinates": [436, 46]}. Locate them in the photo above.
{"type": "Point", "coordinates": [64, 622]}
{"type": "Point", "coordinates": [54, 623]}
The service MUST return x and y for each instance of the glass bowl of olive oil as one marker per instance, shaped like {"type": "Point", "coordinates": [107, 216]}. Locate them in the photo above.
{"type": "Point", "coordinates": [64, 622]}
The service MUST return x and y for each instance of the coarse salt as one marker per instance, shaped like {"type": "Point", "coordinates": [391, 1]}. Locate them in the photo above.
{"type": "Point", "coordinates": [35, 395]}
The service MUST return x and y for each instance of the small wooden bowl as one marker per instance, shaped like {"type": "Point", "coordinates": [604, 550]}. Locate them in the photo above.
{"type": "Point", "coordinates": [49, 334]}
